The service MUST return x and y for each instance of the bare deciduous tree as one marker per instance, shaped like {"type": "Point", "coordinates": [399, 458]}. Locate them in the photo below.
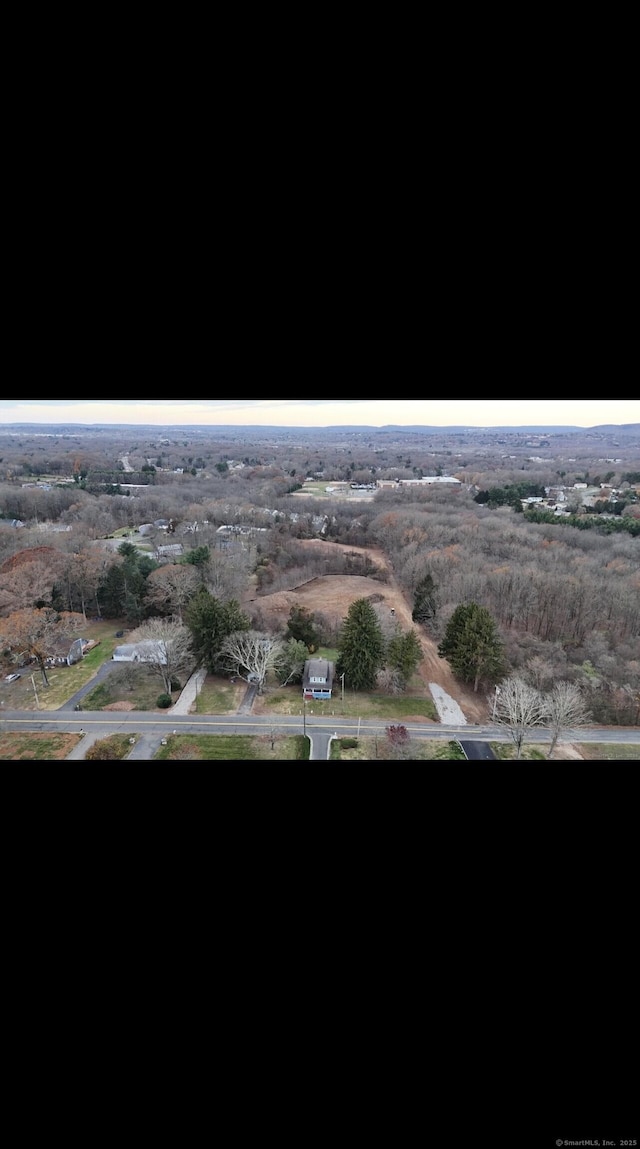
{"type": "Point", "coordinates": [38, 633]}
{"type": "Point", "coordinates": [170, 652]}
{"type": "Point", "coordinates": [170, 588]}
{"type": "Point", "coordinates": [564, 709]}
{"type": "Point", "coordinates": [520, 708]}
{"type": "Point", "coordinates": [251, 655]}
{"type": "Point", "coordinates": [226, 576]}
{"type": "Point", "coordinates": [389, 680]}
{"type": "Point", "coordinates": [539, 672]}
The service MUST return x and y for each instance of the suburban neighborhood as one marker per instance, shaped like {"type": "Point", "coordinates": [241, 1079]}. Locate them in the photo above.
{"type": "Point", "coordinates": [367, 594]}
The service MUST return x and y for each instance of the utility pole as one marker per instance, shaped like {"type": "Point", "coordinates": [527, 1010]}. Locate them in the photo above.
{"type": "Point", "coordinates": [342, 680]}
{"type": "Point", "coordinates": [33, 683]}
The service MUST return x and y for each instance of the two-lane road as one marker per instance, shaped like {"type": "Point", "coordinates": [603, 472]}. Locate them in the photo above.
{"type": "Point", "coordinates": [103, 722]}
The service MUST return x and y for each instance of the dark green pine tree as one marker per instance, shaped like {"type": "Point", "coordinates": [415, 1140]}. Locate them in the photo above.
{"type": "Point", "coordinates": [404, 654]}
{"type": "Point", "coordinates": [210, 621]}
{"type": "Point", "coordinates": [472, 645]}
{"type": "Point", "coordinates": [361, 646]}
{"type": "Point", "coordinates": [300, 626]}
{"type": "Point", "coordinates": [425, 600]}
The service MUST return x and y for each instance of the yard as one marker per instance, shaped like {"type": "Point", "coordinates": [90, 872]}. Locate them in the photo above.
{"type": "Point", "coordinates": [234, 747]}
{"type": "Point", "coordinates": [375, 749]}
{"type": "Point", "coordinates": [29, 746]}
{"type": "Point", "coordinates": [64, 681]}
{"type": "Point", "coordinates": [129, 686]}
{"type": "Point", "coordinates": [409, 707]}
{"type": "Point", "coordinates": [609, 751]}
{"type": "Point", "coordinates": [219, 696]}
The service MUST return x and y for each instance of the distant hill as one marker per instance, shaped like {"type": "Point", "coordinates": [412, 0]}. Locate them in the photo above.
{"type": "Point", "coordinates": [277, 431]}
{"type": "Point", "coordinates": [524, 430]}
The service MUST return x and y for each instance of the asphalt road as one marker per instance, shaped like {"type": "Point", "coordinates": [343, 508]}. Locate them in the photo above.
{"type": "Point", "coordinates": [103, 722]}
{"type": "Point", "coordinates": [477, 751]}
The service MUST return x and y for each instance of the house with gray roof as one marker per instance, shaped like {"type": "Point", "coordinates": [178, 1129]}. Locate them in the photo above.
{"type": "Point", "coordinates": [317, 678]}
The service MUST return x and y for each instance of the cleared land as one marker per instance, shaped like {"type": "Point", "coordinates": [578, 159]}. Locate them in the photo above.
{"type": "Point", "coordinates": [333, 594]}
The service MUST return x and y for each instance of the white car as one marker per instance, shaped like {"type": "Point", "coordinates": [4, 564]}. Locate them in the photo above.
{"type": "Point", "coordinates": [12, 677]}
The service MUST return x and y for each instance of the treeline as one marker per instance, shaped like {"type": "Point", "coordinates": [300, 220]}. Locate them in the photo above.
{"type": "Point", "coordinates": [566, 598]}
{"type": "Point", "coordinates": [510, 495]}
{"type": "Point", "coordinates": [128, 584]}
{"type": "Point", "coordinates": [589, 520]}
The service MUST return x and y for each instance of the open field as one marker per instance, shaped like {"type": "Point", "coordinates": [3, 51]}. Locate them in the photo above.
{"type": "Point", "coordinates": [233, 748]}
{"type": "Point", "coordinates": [317, 489]}
{"type": "Point", "coordinates": [30, 746]}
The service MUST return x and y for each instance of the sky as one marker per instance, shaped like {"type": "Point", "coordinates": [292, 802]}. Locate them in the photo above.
{"type": "Point", "coordinates": [325, 412]}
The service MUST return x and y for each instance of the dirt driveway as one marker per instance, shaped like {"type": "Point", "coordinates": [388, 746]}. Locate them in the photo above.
{"type": "Point", "coordinates": [333, 594]}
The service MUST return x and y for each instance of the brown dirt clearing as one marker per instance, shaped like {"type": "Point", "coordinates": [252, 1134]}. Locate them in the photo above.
{"type": "Point", "coordinates": [333, 594]}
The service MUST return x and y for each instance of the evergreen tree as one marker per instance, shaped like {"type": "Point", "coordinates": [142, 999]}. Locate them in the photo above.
{"type": "Point", "coordinates": [472, 645]}
{"type": "Point", "coordinates": [361, 646]}
{"type": "Point", "coordinates": [197, 557]}
{"type": "Point", "coordinates": [122, 588]}
{"type": "Point", "coordinates": [294, 656]}
{"type": "Point", "coordinates": [210, 622]}
{"type": "Point", "coordinates": [425, 600]}
{"type": "Point", "coordinates": [404, 654]}
{"type": "Point", "coordinates": [300, 626]}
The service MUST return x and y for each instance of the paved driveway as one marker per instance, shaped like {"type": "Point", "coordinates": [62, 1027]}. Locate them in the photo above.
{"type": "Point", "coordinates": [102, 673]}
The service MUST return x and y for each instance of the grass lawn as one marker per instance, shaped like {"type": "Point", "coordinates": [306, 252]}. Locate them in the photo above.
{"type": "Point", "coordinates": [136, 684]}
{"type": "Point", "coordinates": [234, 747]}
{"type": "Point", "coordinates": [65, 680]}
{"type": "Point", "coordinates": [218, 696]}
{"type": "Point", "coordinates": [610, 751]}
{"type": "Point", "coordinates": [26, 746]}
{"type": "Point", "coordinates": [372, 750]}
{"type": "Point", "coordinates": [329, 653]}
{"type": "Point", "coordinates": [590, 751]}
{"type": "Point", "coordinates": [507, 751]}
{"type": "Point", "coordinates": [288, 700]}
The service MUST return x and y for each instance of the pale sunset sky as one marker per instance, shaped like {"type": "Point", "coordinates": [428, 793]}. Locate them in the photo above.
{"type": "Point", "coordinates": [324, 412]}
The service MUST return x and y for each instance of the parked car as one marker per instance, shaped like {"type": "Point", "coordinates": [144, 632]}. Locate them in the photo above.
{"type": "Point", "coordinates": [12, 677]}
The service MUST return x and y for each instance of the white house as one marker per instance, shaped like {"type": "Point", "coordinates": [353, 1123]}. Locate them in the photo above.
{"type": "Point", "coordinates": [146, 651]}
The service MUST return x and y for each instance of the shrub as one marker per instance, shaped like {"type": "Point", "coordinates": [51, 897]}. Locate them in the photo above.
{"type": "Point", "coordinates": [176, 684]}
{"type": "Point", "coordinates": [101, 752]}
{"type": "Point", "coordinates": [164, 701]}
{"type": "Point", "coordinates": [348, 743]}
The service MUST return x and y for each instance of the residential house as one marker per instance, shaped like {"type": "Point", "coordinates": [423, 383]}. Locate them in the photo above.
{"type": "Point", "coordinates": [317, 678]}
{"type": "Point", "coordinates": [146, 651]}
